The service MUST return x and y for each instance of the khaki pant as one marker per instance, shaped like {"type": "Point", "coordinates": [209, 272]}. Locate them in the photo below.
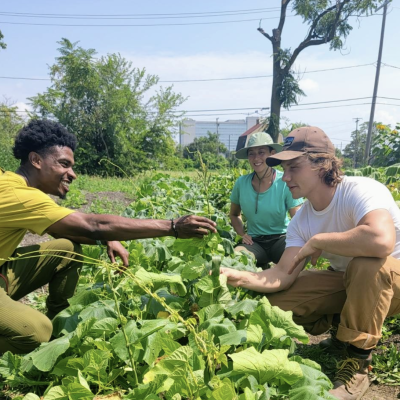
{"type": "Point", "coordinates": [22, 328]}
{"type": "Point", "coordinates": [364, 296]}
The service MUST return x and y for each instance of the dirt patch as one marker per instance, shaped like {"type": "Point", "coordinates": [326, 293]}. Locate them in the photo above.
{"type": "Point", "coordinates": [375, 391]}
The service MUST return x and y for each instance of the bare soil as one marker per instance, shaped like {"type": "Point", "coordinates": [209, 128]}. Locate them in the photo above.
{"type": "Point", "coordinates": [375, 391]}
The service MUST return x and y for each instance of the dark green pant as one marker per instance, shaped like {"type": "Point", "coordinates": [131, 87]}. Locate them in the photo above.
{"type": "Point", "coordinates": [267, 248]}
{"type": "Point", "coordinates": [23, 328]}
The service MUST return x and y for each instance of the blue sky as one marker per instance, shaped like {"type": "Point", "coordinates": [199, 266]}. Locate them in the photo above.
{"type": "Point", "coordinates": [204, 51]}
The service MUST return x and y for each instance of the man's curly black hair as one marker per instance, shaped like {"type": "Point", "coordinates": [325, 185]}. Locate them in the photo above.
{"type": "Point", "coordinates": [39, 136]}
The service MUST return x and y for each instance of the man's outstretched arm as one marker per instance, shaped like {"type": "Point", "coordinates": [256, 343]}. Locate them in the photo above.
{"type": "Point", "coordinates": [112, 227]}
{"type": "Point", "coordinates": [267, 281]}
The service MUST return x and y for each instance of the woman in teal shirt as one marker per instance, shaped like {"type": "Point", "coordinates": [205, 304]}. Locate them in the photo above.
{"type": "Point", "coordinates": [264, 199]}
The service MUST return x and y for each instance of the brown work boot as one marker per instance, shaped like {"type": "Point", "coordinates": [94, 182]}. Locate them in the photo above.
{"type": "Point", "coordinates": [333, 345]}
{"type": "Point", "coordinates": [351, 379]}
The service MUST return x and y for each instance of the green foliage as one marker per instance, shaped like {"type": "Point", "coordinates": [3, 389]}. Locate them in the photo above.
{"type": "Point", "coordinates": [387, 365]}
{"type": "Point", "coordinates": [355, 150]}
{"type": "Point", "coordinates": [165, 326]}
{"type": "Point", "coordinates": [386, 146]}
{"type": "Point", "coordinates": [2, 44]}
{"type": "Point", "coordinates": [209, 149]}
{"type": "Point", "coordinates": [101, 100]}
{"type": "Point", "coordinates": [10, 124]}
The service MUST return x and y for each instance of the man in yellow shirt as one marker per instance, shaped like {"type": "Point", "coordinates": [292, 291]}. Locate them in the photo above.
{"type": "Point", "coordinates": [46, 151]}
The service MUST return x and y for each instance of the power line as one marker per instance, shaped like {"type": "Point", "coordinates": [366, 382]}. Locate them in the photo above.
{"type": "Point", "coordinates": [258, 108]}
{"type": "Point", "coordinates": [141, 16]}
{"type": "Point", "coordinates": [137, 25]}
{"type": "Point", "coordinates": [391, 66]}
{"type": "Point", "coordinates": [209, 79]}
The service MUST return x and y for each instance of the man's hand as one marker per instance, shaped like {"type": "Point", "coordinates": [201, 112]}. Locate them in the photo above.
{"type": "Point", "coordinates": [190, 226]}
{"type": "Point", "coordinates": [308, 250]}
{"type": "Point", "coordinates": [247, 239]}
{"type": "Point", "coordinates": [115, 249]}
{"type": "Point", "coordinates": [235, 278]}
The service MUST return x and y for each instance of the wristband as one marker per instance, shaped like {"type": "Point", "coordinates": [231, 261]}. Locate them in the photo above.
{"type": "Point", "coordinates": [173, 227]}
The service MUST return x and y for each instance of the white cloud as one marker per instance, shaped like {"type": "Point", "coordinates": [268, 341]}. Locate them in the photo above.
{"type": "Point", "coordinates": [387, 117]}
{"type": "Point", "coordinates": [22, 107]}
{"type": "Point", "coordinates": [309, 85]}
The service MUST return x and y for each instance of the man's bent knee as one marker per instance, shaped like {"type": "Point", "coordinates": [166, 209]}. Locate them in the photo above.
{"type": "Point", "coordinates": [29, 336]}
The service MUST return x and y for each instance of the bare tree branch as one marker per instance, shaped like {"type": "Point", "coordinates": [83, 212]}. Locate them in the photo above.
{"type": "Point", "coordinates": [310, 41]}
{"type": "Point", "coordinates": [261, 30]}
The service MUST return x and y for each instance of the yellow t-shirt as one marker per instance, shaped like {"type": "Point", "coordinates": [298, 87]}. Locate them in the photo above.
{"type": "Point", "coordinates": [23, 208]}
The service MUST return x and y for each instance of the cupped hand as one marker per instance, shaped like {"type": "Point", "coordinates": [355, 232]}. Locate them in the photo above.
{"type": "Point", "coordinates": [308, 250]}
{"type": "Point", "coordinates": [234, 277]}
{"type": "Point", "coordinates": [192, 226]}
{"type": "Point", "coordinates": [116, 249]}
{"type": "Point", "coordinates": [247, 239]}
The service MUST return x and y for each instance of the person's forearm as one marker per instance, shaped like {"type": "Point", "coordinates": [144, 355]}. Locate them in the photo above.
{"type": "Point", "coordinates": [361, 241]}
{"type": "Point", "coordinates": [111, 227]}
{"type": "Point", "coordinates": [268, 281]}
{"type": "Point", "coordinates": [237, 225]}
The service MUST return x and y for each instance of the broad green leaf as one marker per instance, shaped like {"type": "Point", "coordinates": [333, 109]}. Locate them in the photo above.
{"type": "Point", "coordinates": [82, 380]}
{"type": "Point", "coordinates": [212, 312]}
{"type": "Point", "coordinates": [156, 281]}
{"type": "Point", "coordinates": [135, 335]}
{"type": "Point", "coordinates": [104, 326]}
{"type": "Point", "coordinates": [85, 297]}
{"type": "Point", "coordinates": [269, 366]}
{"type": "Point", "coordinates": [56, 393]}
{"type": "Point", "coordinates": [224, 392]}
{"type": "Point", "coordinates": [266, 314]}
{"type": "Point", "coordinates": [255, 335]}
{"type": "Point", "coordinates": [67, 320]}
{"type": "Point", "coordinates": [95, 361]}
{"type": "Point", "coordinates": [68, 366]}
{"type": "Point", "coordinates": [45, 358]}
{"type": "Point", "coordinates": [174, 366]}
{"type": "Point", "coordinates": [235, 338]}
{"type": "Point", "coordinates": [194, 269]}
{"type": "Point", "coordinates": [248, 395]}
{"type": "Point", "coordinates": [31, 396]}
{"type": "Point", "coordinates": [99, 310]}
{"type": "Point", "coordinates": [78, 392]}
{"type": "Point", "coordinates": [246, 306]}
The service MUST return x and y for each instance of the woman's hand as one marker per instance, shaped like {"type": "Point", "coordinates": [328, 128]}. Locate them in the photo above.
{"type": "Point", "coordinates": [247, 239]}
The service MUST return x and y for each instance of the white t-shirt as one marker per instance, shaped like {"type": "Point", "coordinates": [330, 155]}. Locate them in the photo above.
{"type": "Point", "coordinates": [354, 198]}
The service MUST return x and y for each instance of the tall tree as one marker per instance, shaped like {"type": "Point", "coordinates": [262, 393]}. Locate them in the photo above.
{"type": "Point", "coordinates": [328, 22]}
{"type": "Point", "coordinates": [386, 145]}
{"type": "Point", "coordinates": [10, 123]}
{"type": "Point", "coordinates": [102, 101]}
{"type": "Point", "coordinates": [211, 150]}
{"type": "Point", "coordinates": [355, 150]}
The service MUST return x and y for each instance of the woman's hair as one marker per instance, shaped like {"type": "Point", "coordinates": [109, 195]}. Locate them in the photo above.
{"type": "Point", "coordinates": [40, 136]}
{"type": "Point", "coordinates": [329, 166]}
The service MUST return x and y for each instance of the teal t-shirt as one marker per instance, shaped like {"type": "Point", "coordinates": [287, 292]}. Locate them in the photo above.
{"type": "Point", "coordinates": [273, 205]}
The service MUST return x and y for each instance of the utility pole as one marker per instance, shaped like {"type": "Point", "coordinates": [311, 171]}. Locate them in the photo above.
{"type": "Point", "coordinates": [378, 69]}
{"type": "Point", "coordinates": [356, 143]}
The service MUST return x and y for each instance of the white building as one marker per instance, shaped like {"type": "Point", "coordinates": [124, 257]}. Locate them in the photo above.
{"type": "Point", "coordinates": [228, 131]}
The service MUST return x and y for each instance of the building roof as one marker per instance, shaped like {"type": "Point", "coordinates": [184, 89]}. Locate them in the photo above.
{"type": "Point", "coordinates": [259, 127]}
